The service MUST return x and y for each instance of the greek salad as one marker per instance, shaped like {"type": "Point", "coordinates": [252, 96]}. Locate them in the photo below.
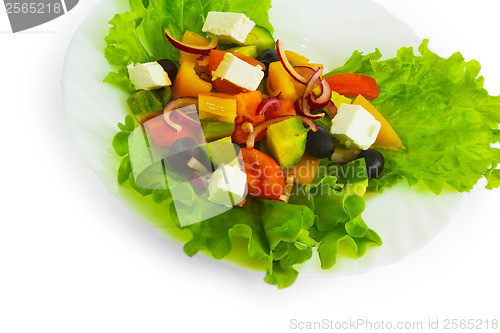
{"type": "Point", "coordinates": [299, 145]}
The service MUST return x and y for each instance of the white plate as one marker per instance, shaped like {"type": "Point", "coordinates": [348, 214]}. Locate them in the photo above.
{"type": "Point", "coordinates": [326, 31]}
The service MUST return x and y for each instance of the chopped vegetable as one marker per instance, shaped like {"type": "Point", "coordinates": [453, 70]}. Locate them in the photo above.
{"type": "Point", "coordinates": [287, 141]}
{"type": "Point", "coordinates": [279, 80]}
{"type": "Point", "coordinates": [285, 109]}
{"type": "Point", "coordinates": [387, 137]}
{"type": "Point", "coordinates": [351, 84]}
{"type": "Point", "coordinates": [190, 48]}
{"type": "Point", "coordinates": [217, 106]}
{"type": "Point", "coordinates": [145, 104]}
{"type": "Point", "coordinates": [304, 171]}
{"type": "Point", "coordinates": [247, 104]}
{"type": "Point", "coordinates": [188, 83]}
{"type": "Point", "coordinates": [261, 37]}
{"type": "Point", "coordinates": [338, 99]}
{"type": "Point", "coordinates": [194, 39]}
{"type": "Point", "coordinates": [264, 176]}
{"type": "Point", "coordinates": [216, 130]}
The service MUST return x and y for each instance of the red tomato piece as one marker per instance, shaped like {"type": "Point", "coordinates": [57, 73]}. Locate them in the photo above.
{"type": "Point", "coordinates": [264, 176]}
{"type": "Point", "coordinates": [162, 135]}
{"type": "Point", "coordinates": [352, 84]}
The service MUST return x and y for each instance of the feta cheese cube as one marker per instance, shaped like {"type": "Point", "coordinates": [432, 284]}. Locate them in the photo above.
{"type": "Point", "coordinates": [228, 27]}
{"type": "Point", "coordinates": [148, 76]}
{"type": "Point", "coordinates": [227, 186]}
{"type": "Point", "coordinates": [239, 72]}
{"type": "Point", "coordinates": [355, 127]}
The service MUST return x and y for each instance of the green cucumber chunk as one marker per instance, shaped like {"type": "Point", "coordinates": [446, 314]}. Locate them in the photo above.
{"type": "Point", "coordinates": [248, 50]}
{"type": "Point", "coordinates": [145, 102]}
{"type": "Point", "coordinates": [286, 141]}
{"type": "Point", "coordinates": [215, 130]}
{"type": "Point", "coordinates": [261, 38]}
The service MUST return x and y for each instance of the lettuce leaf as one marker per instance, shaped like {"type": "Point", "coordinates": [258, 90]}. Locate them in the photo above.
{"type": "Point", "coordinates": [445, 118]}
{"type": "Point", "coordinates": [335, 199]}
{"type": "Point", "coordinates": [271, 228]}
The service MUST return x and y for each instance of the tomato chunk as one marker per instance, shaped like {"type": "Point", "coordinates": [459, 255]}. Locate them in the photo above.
{"type": "Point", "coordinates": [352, 84]}
{"type": "Point", "coordinates": [264, 176]}
{"type": "Point", "coordinates": [246, 110]}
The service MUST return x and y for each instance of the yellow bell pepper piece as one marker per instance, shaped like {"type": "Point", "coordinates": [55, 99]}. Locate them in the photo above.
{"type": "Point", "coordinates": [387, 137]}
{"type": "Point", "coordinates": [192, 39]}
{"type": "Point", "coordinates": [187, 82]}
{"type": "Point", "coordinates": [218, 107]}
{"type": "Point", "coordinates": [338, 99]}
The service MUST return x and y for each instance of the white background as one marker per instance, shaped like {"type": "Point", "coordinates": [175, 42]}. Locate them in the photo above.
{"type": "Point", "coordinates": [73, 259]}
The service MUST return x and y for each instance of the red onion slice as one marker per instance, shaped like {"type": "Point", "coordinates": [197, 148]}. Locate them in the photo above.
{"type": "Point", "coordinates": [270, 91]}
{"type": "Point", "coordinates": [331, 109]}
{"type": "Point", "coordinates": [261, 127]}
{"type": "Point", "coordinates": [179, 103]}
{"type": "Point", "coordinates": [302, 108]}
{"type": "Point", "coordinates": [266, 123]}
{"type": "Point", "coordinates": [201, 170]}
{"type": "Point", "coordinates": [264, 105]}
{"type": "Point", "coordinates": [314, 81]}
{"type": "Point", "coordinates": [202, 57]}
{"type": "Point", "coordinates": [319, 102]}
{"type": "Point", "coordinates": [314, 104]}
{"type": "Point", "coordinates": [309, 70]}
{"type": "Point", "coordinates": [280, 48]}
{"type": "Point", "coordinates": [198, 183]}
{"type": "Point", "coordinates": [183, 117]}
{"type": "Point", "coordinates": [174, 126]}
{"type": "Point", "coordinates": [195, 49]}
{"type": "Point", "coordinates": [309, 122]}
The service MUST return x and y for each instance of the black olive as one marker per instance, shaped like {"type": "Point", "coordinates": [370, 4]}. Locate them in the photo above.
{"type": "Point", "coordinates": [320, 144]}
{"type": "Point", "coordinates": [170, 67]}
{"type": "Point", "coordinates": [268, 56]}
{"type": "Point", "coordinates": [374, 162]}
{"type": "Point", "coordinates": [181, 152]}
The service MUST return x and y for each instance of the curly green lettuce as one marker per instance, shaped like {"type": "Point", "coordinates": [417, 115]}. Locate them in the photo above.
{"type": "Point", "coordinates": [444, 116]}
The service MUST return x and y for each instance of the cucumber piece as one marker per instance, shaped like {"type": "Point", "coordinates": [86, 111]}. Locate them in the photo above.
{"type": "Point", "coordinates": [144, 103]}
{"type": "Point", "coordinates": [248, 50]}
{"type": "Point", "coordinates": [167, 95]}
{"type": "Point", "coordinates": [261, 38]}
{"type": "Point", "coordinates": [287, 141]}
{"type": "Point", "coordinates": [215, 130]}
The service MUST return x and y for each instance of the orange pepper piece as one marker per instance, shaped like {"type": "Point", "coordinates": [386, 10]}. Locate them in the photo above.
{"type": "Point", "coordinates": [188, 83]}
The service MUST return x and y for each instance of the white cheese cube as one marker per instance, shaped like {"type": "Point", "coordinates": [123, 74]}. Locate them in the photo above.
{"type": "Point", "coordinates": [239, 72]}
{"type": "Point", "coordinates": [225, 183]}
{"type": "Point", "coordinates": [228, 27]}
{"type": "Point", "coordinates": [148, 76]}
{"type": "Point", "coordinates": [355, 127]}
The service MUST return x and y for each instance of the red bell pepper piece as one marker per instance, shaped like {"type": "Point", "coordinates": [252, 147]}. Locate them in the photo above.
{"type": "Point", "coordinates": [352, 84]}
